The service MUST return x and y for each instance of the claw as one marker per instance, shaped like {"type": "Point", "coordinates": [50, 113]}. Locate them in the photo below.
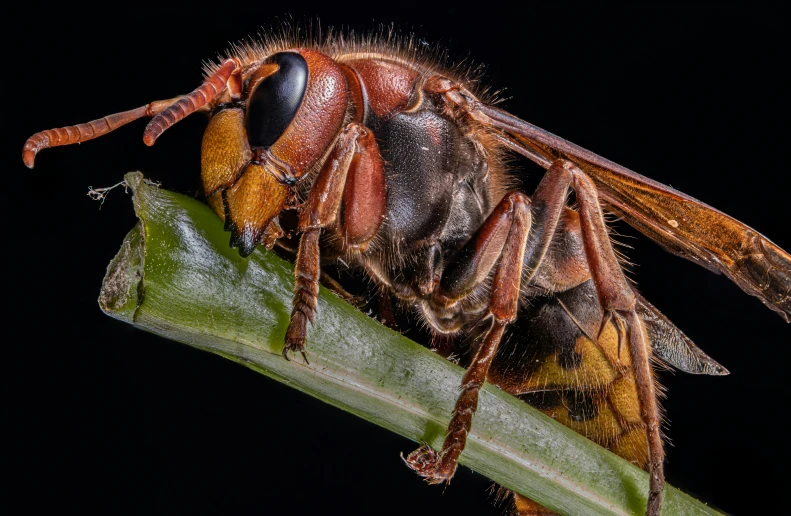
{"type": "Point", "coordinates": [621, 333]}
{"type": "Point", "coordinates": [291, 346]}
{"type": "Point", "coordinates": [607, 318]}
{"type": "Point", "coordinates": [423, 461]}
{"type": "Point", "coordinates": [619, 324]}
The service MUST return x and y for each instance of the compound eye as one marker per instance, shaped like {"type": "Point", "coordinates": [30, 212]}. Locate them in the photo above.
{"type": "Point", "coordinates": [276, 99]}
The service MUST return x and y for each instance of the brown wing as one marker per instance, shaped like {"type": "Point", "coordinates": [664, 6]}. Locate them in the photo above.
{"type": "Point", "coordinates": [670, 345]}
{"type": "Point", "coordinates": [682, 225]}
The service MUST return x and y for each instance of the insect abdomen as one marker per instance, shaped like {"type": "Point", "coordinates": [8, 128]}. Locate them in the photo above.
{"type": "Point", "coordinates": [556, 360]}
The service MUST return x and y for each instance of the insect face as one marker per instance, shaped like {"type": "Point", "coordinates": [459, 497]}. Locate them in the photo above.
{"type": "Point", "coordinates": [263, 139]}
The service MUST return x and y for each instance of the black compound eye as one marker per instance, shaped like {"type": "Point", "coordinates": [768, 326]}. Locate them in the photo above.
{"type": "Point", "coordinates": [276, 99]}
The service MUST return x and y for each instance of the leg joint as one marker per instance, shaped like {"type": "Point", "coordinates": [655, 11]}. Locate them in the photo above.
{"type": "Point", "coordinates": [517, 201]}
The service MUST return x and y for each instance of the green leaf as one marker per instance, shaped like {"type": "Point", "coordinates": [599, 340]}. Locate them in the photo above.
{"type": "Point", "coordinates": [176, 276]}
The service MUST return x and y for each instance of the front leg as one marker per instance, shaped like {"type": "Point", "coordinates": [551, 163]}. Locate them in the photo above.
{"type": "Point", "coordinates": [353, 166]}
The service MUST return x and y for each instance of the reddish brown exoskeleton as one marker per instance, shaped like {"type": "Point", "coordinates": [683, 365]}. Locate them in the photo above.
{"type": "Point", "coordinates": [395, 166]}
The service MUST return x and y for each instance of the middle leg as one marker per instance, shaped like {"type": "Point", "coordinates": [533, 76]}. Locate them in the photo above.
{"type": "Point", "coordinates": [617, 298]}
{"type": "Point", "coordinates": [501, 240]}
{"type": "Point", "coordinates": [518, 233]}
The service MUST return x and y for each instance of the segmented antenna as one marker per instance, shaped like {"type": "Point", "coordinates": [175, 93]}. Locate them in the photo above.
{"type": "Point", "coordinates": [84, 132]}
{"type": "Point", "coordinates": [165, 113]}
{"type": "Point", "coordinates": [191, 102]}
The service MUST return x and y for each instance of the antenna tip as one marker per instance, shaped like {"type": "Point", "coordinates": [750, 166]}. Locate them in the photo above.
{"type": "Point", "coordinates": [29, 157]}
{"type": "Point", "coordinates": [152, 131]}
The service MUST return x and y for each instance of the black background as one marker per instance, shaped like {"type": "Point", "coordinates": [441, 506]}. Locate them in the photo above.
{"type": "Point", "coordinates": [107, 418]}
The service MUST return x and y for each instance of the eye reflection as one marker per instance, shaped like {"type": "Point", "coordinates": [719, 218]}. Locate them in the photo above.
{"type": "Point", "coordinates": [276, 99]}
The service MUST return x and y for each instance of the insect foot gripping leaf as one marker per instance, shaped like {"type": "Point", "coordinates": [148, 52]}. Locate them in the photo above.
{"type": "Point", "coordinates": [175, 276]}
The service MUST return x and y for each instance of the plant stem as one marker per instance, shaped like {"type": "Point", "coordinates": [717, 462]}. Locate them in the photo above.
{"type": "Point", "coordinates": [176, 276]}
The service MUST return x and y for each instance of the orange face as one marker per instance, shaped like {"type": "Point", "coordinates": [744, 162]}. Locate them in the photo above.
{"type": "Point", "coordinates": [257, 147]}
